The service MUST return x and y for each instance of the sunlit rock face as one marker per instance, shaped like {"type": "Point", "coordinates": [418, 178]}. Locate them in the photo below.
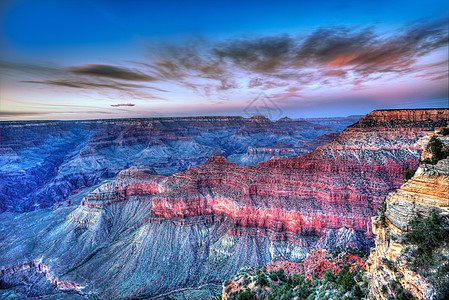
{"type": "Point", "coordinates": [389, 261]}
{"type": "Point", "coordinates": [43, 162]}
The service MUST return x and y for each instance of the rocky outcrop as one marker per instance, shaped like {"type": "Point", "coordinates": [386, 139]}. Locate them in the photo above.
{"type": "Point", "coordinates": [338, 185]}
{"type": "Point", "coordinates": [406, 115]}
{"type": "Point", "coordinates": [344, 238]}
{"type": "Point", "coordinates": [255, 155]}
{"type": "Point", "coordinates": [33, 279]}
{"type": "Point", "coordinates": [389, 263]}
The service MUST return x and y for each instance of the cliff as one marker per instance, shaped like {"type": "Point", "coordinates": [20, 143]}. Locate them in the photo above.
{"type": "Point", "coordinates": [390, 264]}
{"type": "Point", "coordinates": [337, 185]}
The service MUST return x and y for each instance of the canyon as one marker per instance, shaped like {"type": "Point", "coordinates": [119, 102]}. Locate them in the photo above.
{"type": "Point", "coordinates": [43, 162]}
{"type": "Point", "coordinates": [182, 229]}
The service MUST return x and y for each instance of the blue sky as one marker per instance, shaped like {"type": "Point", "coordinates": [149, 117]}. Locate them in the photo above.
{"type": "Point", "coordinates": [111, 59]}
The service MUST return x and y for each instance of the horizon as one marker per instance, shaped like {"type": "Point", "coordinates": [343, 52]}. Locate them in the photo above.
{"type": "Point", "coordinates": [222, 116]}
{"type": "Point", "coordinates": [96, 60]}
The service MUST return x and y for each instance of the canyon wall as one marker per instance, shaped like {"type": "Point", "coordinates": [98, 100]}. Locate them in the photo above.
{"type": "Point", "coordinates": [337, 185]}
{"type": "Point", "coordinates": [390, 263]}
{"type": "Point", "coordinates": [43, 162]}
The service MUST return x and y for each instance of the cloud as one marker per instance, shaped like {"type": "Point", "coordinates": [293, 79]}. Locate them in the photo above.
{"type": "Point", "coordinates": [20, 113]}
{"type": "Point", "coordinates": [9, 113]}
{"type": "Point", "coordinates": [110, 72]}
{"type": "Point", "coordinates": [265, 54]}
{"type": "Point", "coordinates": [327, 55]}
{"type": "Point", "coordinates": [29, 68]}
{"type": "Point", "coordinates": [85, 84]}
{"type": "Point", "coordinates": [134, 91]}
{"type": "Point", "coordinates": [122, 104]}
{"type": "Point", "coordinates": [278, 64]}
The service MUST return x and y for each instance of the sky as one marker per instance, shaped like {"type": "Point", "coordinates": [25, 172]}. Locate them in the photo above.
{"type": "Point", "coordinates": [127, 59]}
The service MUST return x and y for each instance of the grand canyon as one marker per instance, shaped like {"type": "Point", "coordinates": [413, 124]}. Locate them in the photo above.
{"type": "Point", "coordinates": [116, 217]}
{"type": "Point", "coordinates": [233, 150]}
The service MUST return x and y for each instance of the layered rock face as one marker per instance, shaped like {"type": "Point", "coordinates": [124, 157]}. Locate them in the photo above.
{"type": "Point", "coordinates": [389, 260]}
{"type": "Point", "coordinates": [338, 185]}
{"type": "Point", "coordinates": [43, 162]}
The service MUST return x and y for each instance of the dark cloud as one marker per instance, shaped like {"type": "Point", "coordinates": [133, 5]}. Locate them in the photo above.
{"type": "Point", "coordinates": [110, 72]}
{"type": "Point", "coordinates": [264, 54]}
{"type": "Point", "coordinates": [122, 104]}
{"type": "Point", "coordinates": [86, 84]}
{"type": "Point", "coordinates": [335, 73]}
{"type": "Point", "coordinates": [134, 91]}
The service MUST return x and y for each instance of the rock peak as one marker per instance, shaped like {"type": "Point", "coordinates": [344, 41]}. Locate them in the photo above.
{"type": "Point", "coordinates": [285, 119]}
{"type": "Point", "coordinates": [259, 118]}
{"type": "Point", "coordinates": [217, 158]}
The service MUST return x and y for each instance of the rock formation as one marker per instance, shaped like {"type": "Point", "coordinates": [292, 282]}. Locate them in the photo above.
{"type": "Point", "coordinates": [43, 162]}
{"type": "Point", "coordinates": [389, 263]}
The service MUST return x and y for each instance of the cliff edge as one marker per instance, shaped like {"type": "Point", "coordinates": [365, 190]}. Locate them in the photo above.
{"type": "Point", "coordinates": [411, 255]}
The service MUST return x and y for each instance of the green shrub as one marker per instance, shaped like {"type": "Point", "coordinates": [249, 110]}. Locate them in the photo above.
{"type": "Point", "coordinates": [383, 219]}
{"type": "Point", "coordinates": [345, 278]}
{"type": "Point", "coordinates": [389, 264]}
{"type": "Point", "coordinates": [436, 148]}
{"type": "Point", "coordinates": [409, 174]}
{"type": "Point", "coordinates": [403, 294]}
{"type": "Point", "coordinates": [427, 234]}
{"type": "Point", "coordinates": [262, 280]}
{"type": "Point", "coordinates": [357, 292]}
{"type": "Point", "coordinates": [274, 275]}
{"type": "Point", "coordinates": [281, 275]}
{"type": "Point", "coordinates": [444, 131]}
{"type": "Point", "coordinates": [442, 291]}
{"type": "Point", "coordinates": [329, 276]}
{"type": "Point", "coordinates": [247, 295]}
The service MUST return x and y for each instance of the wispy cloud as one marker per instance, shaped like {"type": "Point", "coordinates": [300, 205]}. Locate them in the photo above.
{"type": "Point", "coordinates": [85, 84]}
{"type": "Point", "coordinates": [12, 113]}
{"type": "Point", "coordinates": [122, 104]}
{"type": "Point", "coordinates": [109, 71]}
